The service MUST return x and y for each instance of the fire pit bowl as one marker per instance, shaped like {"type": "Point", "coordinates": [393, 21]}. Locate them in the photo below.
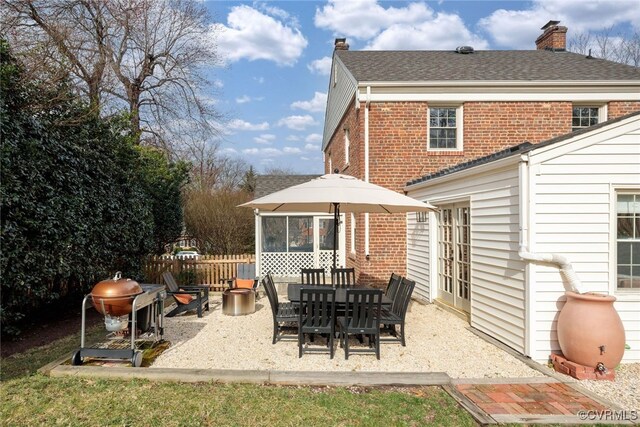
{"type": "Point", "coordinates": [238, 302]}
{"type": "Point", "coordinates": [113, 297]}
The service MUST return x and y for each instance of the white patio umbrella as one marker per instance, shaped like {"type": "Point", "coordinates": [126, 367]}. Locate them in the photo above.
{"type": "Point", "coordinates": [333, 193]}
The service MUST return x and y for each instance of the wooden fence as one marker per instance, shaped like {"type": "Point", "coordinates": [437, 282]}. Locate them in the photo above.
{"type": "Point", "coordinates": [211, 270]}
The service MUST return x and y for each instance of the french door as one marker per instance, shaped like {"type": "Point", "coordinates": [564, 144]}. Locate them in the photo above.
{"type": "Point", "coordinates": [454, 256]}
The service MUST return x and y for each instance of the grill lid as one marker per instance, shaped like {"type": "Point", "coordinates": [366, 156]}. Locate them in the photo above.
{"type": "Point", "coordinates": [116, 287]}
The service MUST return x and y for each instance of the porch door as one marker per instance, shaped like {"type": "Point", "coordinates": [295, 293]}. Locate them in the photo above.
{"type": "Point", "coordinates": [454, 256]}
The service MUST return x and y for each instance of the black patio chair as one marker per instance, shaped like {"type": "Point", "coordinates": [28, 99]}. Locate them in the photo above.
{"type": "Point", "coordinates": [283, 312]}
{"type": "Point", "coordinates": [362, 318]}
{"type": "Point", "coordinates": [398, 312]}
{"type": "Point", "coordinates": [312, 276]}
{"type": "Point", "coordinates": [186, 297]}
{"type": "Point", "coordinates": [317, 316]}
{"type": "Point", "coordinates": [392, 286]}
{"type": "Point", "coordinates": [343, 277]}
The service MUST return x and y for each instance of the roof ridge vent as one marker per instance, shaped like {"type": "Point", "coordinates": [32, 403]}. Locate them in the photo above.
{"type": "Point", "coordinates": [464, 49]}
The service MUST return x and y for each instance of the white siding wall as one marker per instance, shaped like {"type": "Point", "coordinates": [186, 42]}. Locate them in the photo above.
{"type": "Point", "coordinates": [338, 99]}
{"type": "Point", "coordinates": [418, 267]}
{"type": "Point", "coordinates": [497, 272]}
{"type": "Point", "coordinates": [573, 215]}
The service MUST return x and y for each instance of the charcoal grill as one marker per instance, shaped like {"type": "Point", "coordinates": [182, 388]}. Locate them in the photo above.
{"type": "Point", "coordinates": [145, 323]}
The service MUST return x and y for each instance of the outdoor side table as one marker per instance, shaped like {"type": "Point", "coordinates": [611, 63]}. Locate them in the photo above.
{"type": "Point", "coordinates": [238, 302]}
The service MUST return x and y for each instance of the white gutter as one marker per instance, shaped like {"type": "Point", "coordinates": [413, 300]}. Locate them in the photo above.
{"type": "Point", "coordinates": [499, 83]}
{"type": "Point", "coordinates": [366, 167]}
{"type": "Point", "coordinates": [571, 281]}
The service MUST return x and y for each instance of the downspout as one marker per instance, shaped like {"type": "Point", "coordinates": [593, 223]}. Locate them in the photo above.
{"type": "Point", "coordinates": [571, 281]}
{"type": "Point", "coordinates": [366, 167]}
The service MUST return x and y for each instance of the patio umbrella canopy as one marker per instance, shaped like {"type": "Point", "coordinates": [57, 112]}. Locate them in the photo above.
{"type": "Point", "coordinates": [333, 193]}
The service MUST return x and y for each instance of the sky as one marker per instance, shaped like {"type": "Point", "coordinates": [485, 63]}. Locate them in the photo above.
{"type": "Point", "coordinates": [275, 57]}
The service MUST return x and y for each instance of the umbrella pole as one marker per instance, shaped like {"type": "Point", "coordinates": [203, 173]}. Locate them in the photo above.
{"type": "Point", "coordinates": [336, 222]}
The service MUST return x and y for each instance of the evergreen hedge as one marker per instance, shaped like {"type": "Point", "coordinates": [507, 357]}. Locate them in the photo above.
{"type": "Point", "coordinates": [80, 200]}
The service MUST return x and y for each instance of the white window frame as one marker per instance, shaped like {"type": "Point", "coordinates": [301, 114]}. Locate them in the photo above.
{"type": "Point", "coordinates": [353, 233]}
{"type": "Point", "coordinates": [330, 164]}
{"type": "Point", "coordinates": [602, 111]}
{"type": "Point", "coordinates": [614, 240]}
{"type": "Point", "coordinates": [347, 144]}
{"type": "Point", "coordinates": [459, 127]}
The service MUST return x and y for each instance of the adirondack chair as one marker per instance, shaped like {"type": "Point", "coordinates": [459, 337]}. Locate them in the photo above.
{"type": "Point", "coordinates": [246, 278]}
{"type": "Point", "coordinates": [186, 297]}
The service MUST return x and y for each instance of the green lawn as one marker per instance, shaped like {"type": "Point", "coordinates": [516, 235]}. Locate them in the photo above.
{"type": "Point", "coordinates": [28, 398]}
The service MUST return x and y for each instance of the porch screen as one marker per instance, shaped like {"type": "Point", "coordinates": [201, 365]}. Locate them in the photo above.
{"type": "Point", "coordinates": [326, 234]}
{"type": "Point", "coordinates": [274, 234]}
{"type": "Point", "coordinates": [300, 234]}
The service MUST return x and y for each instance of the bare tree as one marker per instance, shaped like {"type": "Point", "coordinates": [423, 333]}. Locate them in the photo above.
{"type": "Point", "coordinates": [216, 221]}
{"type": "Point", "coordinates": [620, 48]}
{"type": "Point", "coordinates": [210, 170]}
{"type": "Point", "coordinates": [144, 55]}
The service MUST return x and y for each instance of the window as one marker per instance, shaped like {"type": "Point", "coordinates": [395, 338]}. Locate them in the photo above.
{"type": "Point", "coordinates": [628, 241]}
{"type": "Point", "coordinates": [353, 233]}
{"type": "Point", "coordinates": [274, 234]}
{"type": "Point", "coordinates": [330, 164]}
{"type": "Point", "coordinates": [326, 227]}
{"type": "Point", "coordinates": [346, 146]}
{"type": "Point", "coordinates": [287, 234]}
{"type": "Point", "coordinates": [300, 234]}
{"type": "Point", "coordinates": [445, 125]}
{"type": "Point", "coordinates": [584, 116]}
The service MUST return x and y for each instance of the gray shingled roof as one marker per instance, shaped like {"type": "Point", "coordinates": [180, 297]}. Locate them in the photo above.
{"type": "Point", "coordinates": [500, 65]}
{"type": "Point", "coordinates": [519, 149]}
{"type": "Point", "coordinates": [267, 184]}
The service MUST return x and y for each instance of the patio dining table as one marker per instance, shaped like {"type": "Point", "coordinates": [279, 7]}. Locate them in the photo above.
{"type": "Point", "coordinates": [293, 293]}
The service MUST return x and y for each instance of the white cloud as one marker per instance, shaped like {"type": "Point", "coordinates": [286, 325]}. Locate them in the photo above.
{"type": "Point", "coordinates": [265, 152]}
{"type": "Point", "coordinates": [246, 98]}
{"type": "Point", "coordinates": [443, 32]}
{"type": "Point", "coordinates": [314, 137]}
{"type": "Point", "coordinates": [317, 104]}
{"type": "Point", "coordinates": [293, 138]}
{"type": "Point", "coordinates": [217, 83]}
{"type": "Point", "coordinates": [229, 150]}
{"type": "Point", "coordinates": [520, 28]}
{"type": "Point", "coordinates": [292, 150]}
{"type": "Point", "coordinates": [265, 138]}
{"type": "Point", "coordinates": [238, 124]}
{"type": "Point", "coordinates": [253, 35]}
{"type": "Point", "coordinates": [259, 79]}
{"type": "Point", "coordinates": [312, 147]}
{"type": "Point", "coordinates": [414, 26]}
{"type": "Point", "coordinates": [320, 66]}
{"type": "Point", "coordinates": [364, 19]}
{"type": "Point", "coordinates": [297, 122]}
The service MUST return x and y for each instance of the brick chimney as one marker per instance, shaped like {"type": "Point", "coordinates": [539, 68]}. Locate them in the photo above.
{"type": "Point", "coordinates": [554, 37]}
{"type": "Point", "coordinates": [341, 44]}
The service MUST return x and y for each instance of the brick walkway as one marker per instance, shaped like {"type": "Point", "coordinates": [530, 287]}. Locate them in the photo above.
{"type": "Point", "coordinates": [528, 399]}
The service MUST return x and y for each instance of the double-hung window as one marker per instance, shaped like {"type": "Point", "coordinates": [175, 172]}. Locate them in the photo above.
{"type": "Point", "coordinates": [583, 116]}
{"type": "Point", "coordinates": [445, 128]}
{"type": "Point", "coordinates": [628, 240]}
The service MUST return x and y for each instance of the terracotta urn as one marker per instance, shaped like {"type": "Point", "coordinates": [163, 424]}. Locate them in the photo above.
{"type": "Point", "coordinates": [590, 331]}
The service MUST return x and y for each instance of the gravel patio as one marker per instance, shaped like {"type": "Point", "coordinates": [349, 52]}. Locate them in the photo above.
{"type": "Point", "coordinates": [437, 341]}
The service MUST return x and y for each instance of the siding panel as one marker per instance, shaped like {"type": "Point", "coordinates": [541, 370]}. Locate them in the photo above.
{"type": "Point", "coordinates": [497, 273]}
{"type": "Point", "coordinates": [573, 217]}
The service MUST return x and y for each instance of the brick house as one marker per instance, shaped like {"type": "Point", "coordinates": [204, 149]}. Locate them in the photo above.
{"type": "Point", "coordinates": [395, 116]}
